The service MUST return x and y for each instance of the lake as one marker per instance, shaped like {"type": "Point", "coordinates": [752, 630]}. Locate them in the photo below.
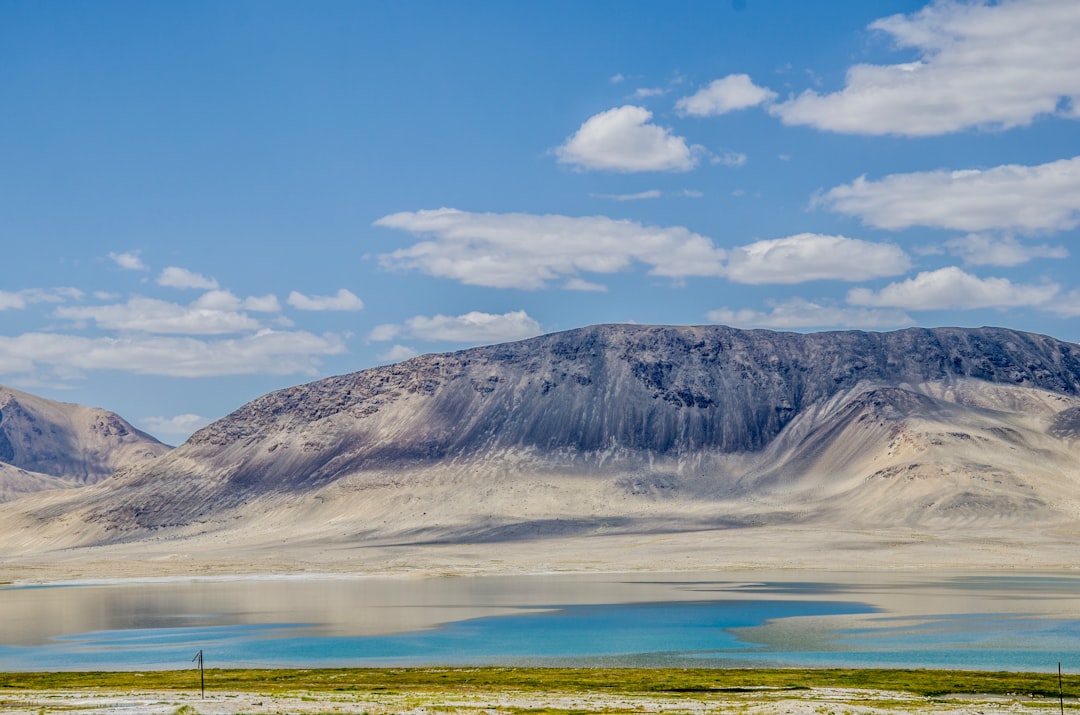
{"type": "Point", "coordinates": [993, 621]}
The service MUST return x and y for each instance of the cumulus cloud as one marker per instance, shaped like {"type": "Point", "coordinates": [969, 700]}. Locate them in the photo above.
{"type": "Point", "coordinates": [129, 261]}
{"type": "Point", "coordinates": [530, 251]}
{"type": "Point", "coordinates": [18, 300]}
{"type": "Point", "coordinates": [982, 250]}
{"type": "Point", "coordinates": [979, 64]}
{"type": "Point", "coordinates": [810, 256]}
{"type": "Point", "coordinates": [266, 352]}
{"type": "Point", "coordinates": [736, 91]}
{"type": "Point", "coordinates": [474, 327]}
{"type": "Point", "coordinates": [622, 139]}
{"type": "Point", "coordinates": [174, 277]}
{"type": "Point", "coordinates": [953, 289]}
{"type": "Point", "coordinates": [213, 315]}
{"type": "Point", "coordinates": [182, 425]}
{"type": "Point", "coordinates": [342, 300]}
{"type": "Point", "coordinates": [1011, 197]}
{"type": "Point", "coordinates": [799, 313]}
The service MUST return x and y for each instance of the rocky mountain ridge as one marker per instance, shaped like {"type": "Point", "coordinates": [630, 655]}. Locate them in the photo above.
{"type": "Point", "coordinates": [618, 429]}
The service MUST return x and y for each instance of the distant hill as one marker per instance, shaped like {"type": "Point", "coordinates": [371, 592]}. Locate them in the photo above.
{"type": "Point", "coordinates": [47, 445]}
{"type": "Point", "coordinates": [934, 436]}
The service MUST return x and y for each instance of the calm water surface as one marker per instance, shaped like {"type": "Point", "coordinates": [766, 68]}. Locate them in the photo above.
{"type": "Point", "coordinates": [984, 621]}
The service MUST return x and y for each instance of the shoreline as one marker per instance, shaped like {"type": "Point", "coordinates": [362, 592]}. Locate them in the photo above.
{"type": "Point", "coordinates": [493, 691]}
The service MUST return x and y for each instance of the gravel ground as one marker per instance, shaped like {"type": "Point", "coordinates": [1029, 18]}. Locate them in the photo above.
{"type": "Point", "coordinates": [823, 701]}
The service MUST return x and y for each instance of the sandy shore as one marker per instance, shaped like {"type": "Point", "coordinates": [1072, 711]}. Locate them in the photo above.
{"type": "Point", "coordinates": [818, 701]}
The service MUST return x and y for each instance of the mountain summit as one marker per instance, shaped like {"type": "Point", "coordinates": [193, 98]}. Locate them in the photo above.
{"type": "Point", "coordinates": [48, 445]}
{"type": "Point", "coordinates": [621, 429]}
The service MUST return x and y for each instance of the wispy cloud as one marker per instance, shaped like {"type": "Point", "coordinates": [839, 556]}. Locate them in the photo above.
{"type": "Point", "coordinates": [982, 250]}
{"type": "Point", "coordinates": [18, 300]}
{"type": "Point", "coordinates": [129, 261]}
{"type": "Point", "coordinates": [639, 196]}
{"type": "Point", "coordinates": [266, 352]}
{"type": "Point", "coordinates": [180, 425]}
{"type": "Point", "coordinates": [802, 314]}
{"type": "Point", "coordinates": [474, 327]}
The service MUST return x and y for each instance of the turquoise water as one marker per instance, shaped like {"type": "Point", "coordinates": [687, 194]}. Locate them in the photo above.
{"type": "Point", "coordinates": [721, 624]}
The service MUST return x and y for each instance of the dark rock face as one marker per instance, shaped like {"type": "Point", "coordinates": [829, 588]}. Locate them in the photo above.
{"type": "Point", "coordinates": [660, 389]}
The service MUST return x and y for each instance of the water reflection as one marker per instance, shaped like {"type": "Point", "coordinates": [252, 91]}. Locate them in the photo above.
{"type": "Point", "coordinates": [900, 618]}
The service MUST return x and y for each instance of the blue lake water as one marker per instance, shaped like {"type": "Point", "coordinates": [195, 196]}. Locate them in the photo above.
{"type": "Point", "coordinates": [997, 622]}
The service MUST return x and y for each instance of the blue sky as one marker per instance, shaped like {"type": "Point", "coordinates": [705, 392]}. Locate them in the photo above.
{"type": "Point", "coordinates": [204, 201]}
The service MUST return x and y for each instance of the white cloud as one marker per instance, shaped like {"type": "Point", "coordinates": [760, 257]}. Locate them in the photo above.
{"type": "Point", "coordinates": [622, 139]}
{"type": "Point", "coordinates": [266, 352]}
{"type": "Point", "coordinates": [730, 158]}
{"type": "Point", "coordinates": [646, 92]}
{"type": "Point", "coordinates": [474, 327]}
{"type": "Point", "coordinates": [262, 303]}
{"type": "Point", "coordinates": [798, 313]}
{"type": "Point", "coordinates": [18, 300]}
{"type": "Point", "coordinates": [530, 251]}
{"type": "Point", "coordinates": [1067, 305]}
{"type": "Point", "coordinates": [617, 78]}
{"type": "Point", "coordinates": [997, 65]}
{"type": "Point", "coordinates": [213, 314]}
{"type": "Point", "coordinates": [1038, 198]}
{"type": "Point", "coordinates": [578, 284]}
{"type": "Point", "coordinates": [342, 300]}
{"type": "Point", "coordinates": [218, 300]}
{"type": "Point", "coordinates": [182, 425]}
{"type": "Point", "coordinates": [384, 332]}
{"type": "Point", "coordinates": [398, 353]}
{"type": "Point", "coordinates": [639, 196]}
{"type": "Point", "coordinates": [953, 289]}
{"type": "Point", "coordinates": [809, 257]}
{"type": "Point", "coordinates": [174, 277]}
{"type": "Point", "coordinates": [982, 250]}
{"type": "Point", "coordinates": [736, 91]}
{"type": "Point", "coordinates": [129, 261]}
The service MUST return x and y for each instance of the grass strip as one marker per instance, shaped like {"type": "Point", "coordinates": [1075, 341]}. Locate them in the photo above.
{"type": "Point", "coordinates": [666, 681]}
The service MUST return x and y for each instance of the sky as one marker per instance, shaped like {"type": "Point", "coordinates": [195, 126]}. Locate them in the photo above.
{"type": "Point", "coordinates": [204, 201]}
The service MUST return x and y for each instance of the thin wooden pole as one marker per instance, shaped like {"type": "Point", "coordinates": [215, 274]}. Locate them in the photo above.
{"type": "Point", "coordinates": [202, 674]}
{"type": "Point", "coordinates": [1061, 690]}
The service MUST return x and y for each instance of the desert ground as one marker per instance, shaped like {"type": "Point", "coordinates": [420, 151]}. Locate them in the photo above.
{"type": "Point", "coordinates": [816, 701]}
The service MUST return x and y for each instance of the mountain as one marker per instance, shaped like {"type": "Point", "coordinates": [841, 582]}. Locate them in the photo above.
{"type": "Point", "coordinates": [50, 445]}
{"type": "Point", "coordinates": [707, 437]}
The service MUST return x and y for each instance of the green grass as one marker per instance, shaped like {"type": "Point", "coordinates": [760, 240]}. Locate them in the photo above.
{"type": "Point", "coordinates": [660, 681]}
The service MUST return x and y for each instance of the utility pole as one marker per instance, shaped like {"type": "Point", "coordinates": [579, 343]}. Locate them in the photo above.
{"type": "Point", "coordinates": [1061, 690]}
{"type": "Point", "coordinates": [202, 676]}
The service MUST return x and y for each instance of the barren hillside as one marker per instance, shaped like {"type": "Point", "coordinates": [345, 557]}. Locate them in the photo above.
{"type": "Point", "coordinates": [708, 437]}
